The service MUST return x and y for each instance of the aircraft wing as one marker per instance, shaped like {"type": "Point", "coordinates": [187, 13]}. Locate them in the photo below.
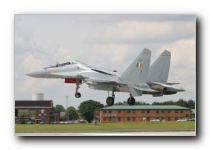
{"type": "Point", "coordinates": [103, 71]}
{"type": "Point", "coordinates": [108, 80]}
{"type": "Point", "coordinates": [67, 75]}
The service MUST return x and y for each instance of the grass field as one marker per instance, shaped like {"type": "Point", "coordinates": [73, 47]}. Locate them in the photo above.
{"type": "Point", "coordinates": [106, 127]}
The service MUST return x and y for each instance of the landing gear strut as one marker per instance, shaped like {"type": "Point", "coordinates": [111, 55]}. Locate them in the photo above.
{"type": "Point", "coordinates": [78, 94]}
{"type": "Point", "coordinates": [131, 101]}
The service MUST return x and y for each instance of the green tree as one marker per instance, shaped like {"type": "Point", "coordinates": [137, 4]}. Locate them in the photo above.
{"type": "Point", "coordinates": [191, 104]}
{"type": "Point", "coordinates": [72, 113]}
{"type": "Point", "coordinates": [59, 108]}
{"type": "Point", "coordinates": [87, 109]}
{"type": "Point", "coordinates": [181, 102]}
{"type": "Point", "coordinates": [157, 103]}
{"type": "Point", "coordinates": [141, 103]}
{"type": "Point", "coordinates": [119, 103]}
{"type": "Point", "coordinates": [169, 103]}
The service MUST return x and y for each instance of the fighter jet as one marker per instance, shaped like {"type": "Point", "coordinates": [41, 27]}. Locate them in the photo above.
{"type": "Point", "coordinates": [139, 78]}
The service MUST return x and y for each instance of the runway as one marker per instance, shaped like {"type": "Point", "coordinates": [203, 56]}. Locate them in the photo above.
{"type": "Point", "coordinates": [187, 133]}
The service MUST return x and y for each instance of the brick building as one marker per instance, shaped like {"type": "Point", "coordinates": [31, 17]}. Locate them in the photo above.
{"type": "Point", "coordinates": [138, 113]}
{"type": "Point", "coordinates": [36, 111]}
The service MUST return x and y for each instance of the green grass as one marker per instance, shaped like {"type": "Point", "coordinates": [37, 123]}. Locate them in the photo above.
{"type": "Point", "coordinates": [107, 127]}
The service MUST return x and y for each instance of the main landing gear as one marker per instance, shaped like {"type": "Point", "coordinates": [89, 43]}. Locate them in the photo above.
{"type": "Point", "coordinates": [131, 101]}
{"type": "Point", "coordinates": [78, 94]}
{"type": "Point", "coordinates": [110, 100]}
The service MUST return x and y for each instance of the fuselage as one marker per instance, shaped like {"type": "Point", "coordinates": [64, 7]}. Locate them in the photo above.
{"type": "Point", "coordinates": [139, 77]}
{"type": "Point", "coordinates": [92, 76]}
{"type": "Point", "coordinates": [96, 79]}
{"type": "Point", "coordinates": [68, 69]}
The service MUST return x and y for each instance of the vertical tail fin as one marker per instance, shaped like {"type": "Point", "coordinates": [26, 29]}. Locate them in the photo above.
{"type": "Point", "coordinates": [137, 72]}
{"type": "Point", "coordinates": [159, 70]}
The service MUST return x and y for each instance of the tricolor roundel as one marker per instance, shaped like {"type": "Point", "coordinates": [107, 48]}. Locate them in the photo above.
{"type": "Point", "coordinates": [139, 65]}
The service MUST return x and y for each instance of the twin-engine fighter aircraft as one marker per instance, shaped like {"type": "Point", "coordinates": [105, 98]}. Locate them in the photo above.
{"type": "Point", "coordinates": [139, 78]}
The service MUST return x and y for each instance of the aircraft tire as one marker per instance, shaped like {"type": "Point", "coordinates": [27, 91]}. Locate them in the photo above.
{"type": "Point", "coordinates": [77, 95]}
{"type": "Point", "coordinates": [131, 101]}
{"type": "Point", "coordinates": [110, 101]}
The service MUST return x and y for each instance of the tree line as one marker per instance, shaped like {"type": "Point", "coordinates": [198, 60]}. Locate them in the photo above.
{"type": "Point", "coordinates": [88, 108]}
{"type": "Point", "coordinates": [189, 104]}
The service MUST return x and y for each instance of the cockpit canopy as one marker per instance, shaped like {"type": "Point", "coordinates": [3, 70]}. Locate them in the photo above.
{"type": "Point", "coordinates": [60, 64]}
{"type": "Point", "coordinates": [63, 63]}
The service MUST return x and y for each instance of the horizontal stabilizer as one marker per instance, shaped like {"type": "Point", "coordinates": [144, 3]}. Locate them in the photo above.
{"type": "Point", "coordinates": [157, 95]}
{"type": "Point", "coordinates": [145, 89]}
{"type": "Point", "coordinates": [172, 83]}
{"type": "Point", "coordinates": [165, 87]}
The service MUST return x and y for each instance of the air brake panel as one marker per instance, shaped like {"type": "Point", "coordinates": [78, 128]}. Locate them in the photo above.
{"type": "Point", "coordinates": [72, 80]}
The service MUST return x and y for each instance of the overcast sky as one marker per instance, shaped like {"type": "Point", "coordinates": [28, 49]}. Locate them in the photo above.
{"type": "Point", "coordinates": [107, 41]}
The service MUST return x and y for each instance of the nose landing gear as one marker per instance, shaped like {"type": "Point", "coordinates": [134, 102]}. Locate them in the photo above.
{"type": "Point", "coordinates": [78, 94]}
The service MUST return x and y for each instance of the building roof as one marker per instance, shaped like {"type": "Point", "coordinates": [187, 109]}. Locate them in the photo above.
{"type": "Point", "coordinates": [33, 104]}
{"type": "Point", "coordinates": [150, 107]}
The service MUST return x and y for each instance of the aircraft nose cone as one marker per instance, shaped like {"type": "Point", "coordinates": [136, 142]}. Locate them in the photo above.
{"type": "Point", "coordinates": [37, 74]}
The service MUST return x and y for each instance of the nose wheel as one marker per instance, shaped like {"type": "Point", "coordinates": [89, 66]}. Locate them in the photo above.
{"type": "Point", "coordinates": [78, 95]}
